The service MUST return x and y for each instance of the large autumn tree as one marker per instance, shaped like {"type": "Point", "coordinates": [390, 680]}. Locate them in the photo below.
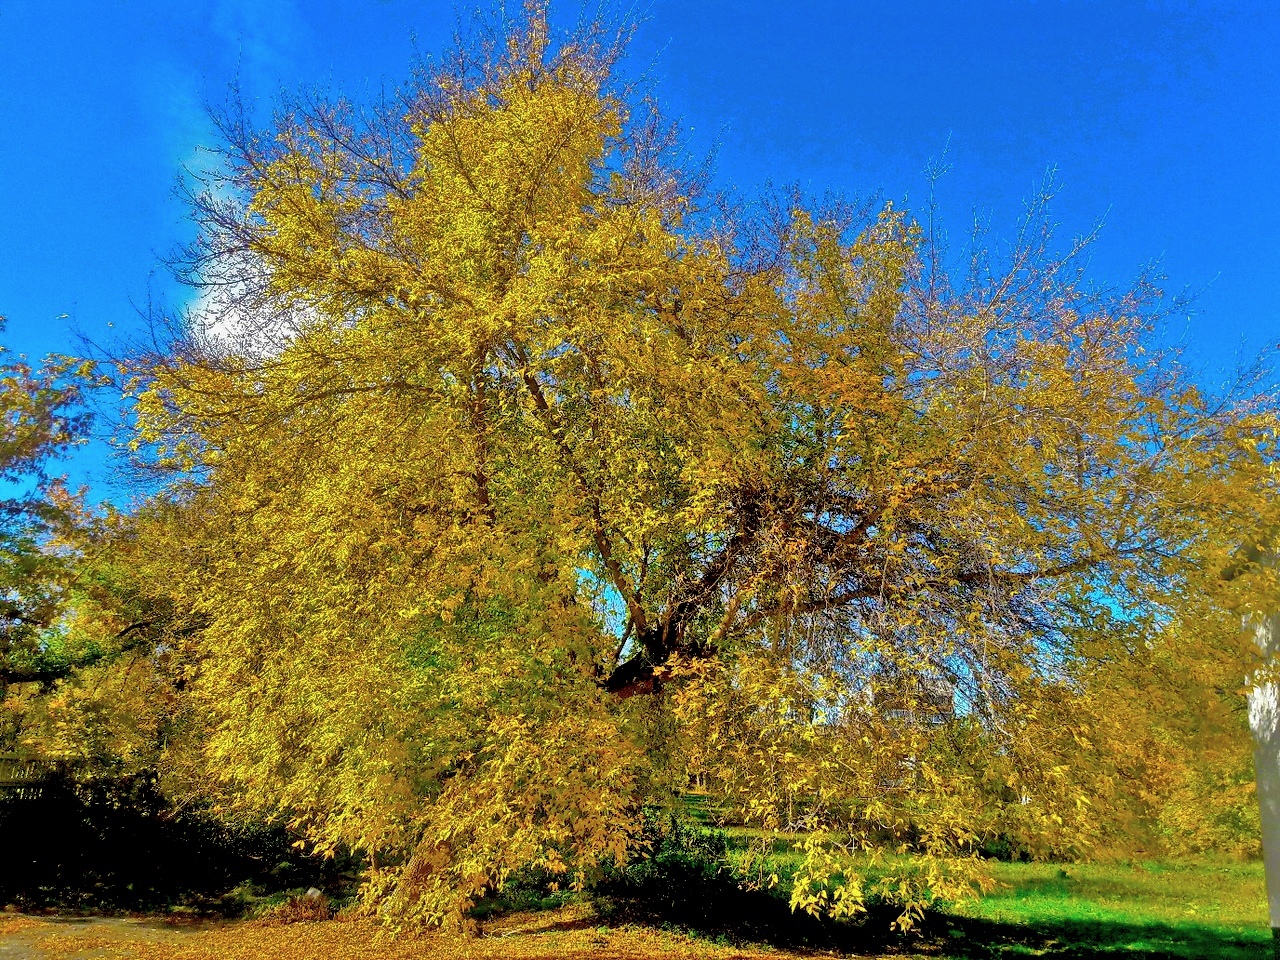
{"type": "Point", "coordinates": [515, 483]}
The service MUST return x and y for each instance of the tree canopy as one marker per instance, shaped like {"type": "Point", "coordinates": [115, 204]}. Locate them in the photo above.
{"type": "Point", "coordinates": [515, 484]}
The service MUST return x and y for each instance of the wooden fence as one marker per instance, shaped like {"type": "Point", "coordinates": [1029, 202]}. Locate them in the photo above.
{"type": "Point", "coordinates": [20, 776]}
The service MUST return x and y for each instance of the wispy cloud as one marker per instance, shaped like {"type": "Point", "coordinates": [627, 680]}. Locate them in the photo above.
{"type": "Point", "coordinates": [264, 36]}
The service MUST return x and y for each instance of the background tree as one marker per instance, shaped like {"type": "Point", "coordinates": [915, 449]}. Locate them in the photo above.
{"type": "Point", "coordinates": [43, 417]}
{"type": "Point", "coordinates": [76, 637]}
{"type": "Point", "coordinates": [513, 485]}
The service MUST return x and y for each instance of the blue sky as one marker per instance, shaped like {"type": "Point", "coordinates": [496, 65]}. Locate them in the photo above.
{"type": "Point", "coordinates": [1164, 118]}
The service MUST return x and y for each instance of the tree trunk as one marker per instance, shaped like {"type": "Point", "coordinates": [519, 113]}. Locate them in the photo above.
{"type": "Point", "coordinates": [1264, 721]}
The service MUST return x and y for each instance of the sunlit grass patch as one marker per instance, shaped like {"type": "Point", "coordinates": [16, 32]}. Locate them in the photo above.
{"type": "Point", "coordinates": [1186, 909]}
{"type": "Point", "coordinates": [1226, 895]}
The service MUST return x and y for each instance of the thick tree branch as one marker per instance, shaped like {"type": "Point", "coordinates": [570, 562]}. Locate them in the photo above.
{"type": "Point", "coordinates": [635, 610]}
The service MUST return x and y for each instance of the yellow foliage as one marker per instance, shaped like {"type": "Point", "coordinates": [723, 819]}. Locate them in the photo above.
{"type": "Point", "coordinates": [530, 488]}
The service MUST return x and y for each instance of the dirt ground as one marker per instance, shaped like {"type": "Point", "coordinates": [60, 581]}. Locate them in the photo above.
{"type": "Point", "coordinates": [544, 936]}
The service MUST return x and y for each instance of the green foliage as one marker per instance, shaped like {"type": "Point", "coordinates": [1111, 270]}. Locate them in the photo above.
{"type": "Point", "coordinates": [673, 848]}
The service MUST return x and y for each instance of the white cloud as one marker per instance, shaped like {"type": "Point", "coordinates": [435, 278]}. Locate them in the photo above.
{"type": "Point", "coordinates": [235, 314]}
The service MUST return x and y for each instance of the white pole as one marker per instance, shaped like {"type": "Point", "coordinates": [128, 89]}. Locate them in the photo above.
{"type": "Point", "coordinates": [1264, 721]}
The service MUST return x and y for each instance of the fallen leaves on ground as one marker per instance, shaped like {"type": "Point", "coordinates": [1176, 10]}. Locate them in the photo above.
{"type": "Point", "coordinates": [11, 925]}
{"type": "Point", "coordinates": [564, 935]}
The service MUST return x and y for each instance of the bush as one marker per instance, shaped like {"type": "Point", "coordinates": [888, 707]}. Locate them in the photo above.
{"type": "Point", "coordinates": [116, 844]}
{"type": "Point", "coordinates": [300, 909]}
{"type": "Point", "coordinates": [684, 877]}
{"type": "Point", "coordinates": [688, 880]}
{"type": "Point", "coordinates": [676, 849]}
{"type": "Point", "coordinates": [526, 890]}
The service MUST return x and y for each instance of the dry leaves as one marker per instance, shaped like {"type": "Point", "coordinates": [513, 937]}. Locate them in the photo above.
{"type": "Point", "coordinates": [567, 933]}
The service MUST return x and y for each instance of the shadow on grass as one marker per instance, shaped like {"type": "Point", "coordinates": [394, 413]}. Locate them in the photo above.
{"type": "Point", "coordinates": [967, 937]}
{"type": "Point", "coordinates": [713, 906]}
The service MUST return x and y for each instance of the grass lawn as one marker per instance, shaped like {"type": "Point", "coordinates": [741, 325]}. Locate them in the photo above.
{"type": "Point", "coordinates": [1105, 912]}
{"type": "Point", "coordinates": [1179, 909]}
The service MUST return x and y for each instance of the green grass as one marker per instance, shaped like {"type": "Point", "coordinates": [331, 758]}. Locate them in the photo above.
{"type": "Point", "coordinates": [1225, 895]}
{"type": "Point", "coordinates": [1189, 909]}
